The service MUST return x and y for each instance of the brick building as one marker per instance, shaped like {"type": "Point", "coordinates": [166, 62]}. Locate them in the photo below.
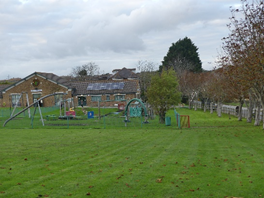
{"type": "Point", "coordinates": [35, 86]}
{"type": "Point", "coordinates": [122, 85]}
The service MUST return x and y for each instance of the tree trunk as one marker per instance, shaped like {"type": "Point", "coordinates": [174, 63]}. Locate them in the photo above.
{"type": "Point", "coordinates": [261, 112]}
{"type": "Point", "coordinates": [190, 104]}
{"type": "Point", "coordinates": [219, 109]}
{"type": "Point", "coordinates": [195, 105]}
{"type": "Point", "coordinates": [211, 107]}
{"type": "Point", "coordinates": [257, 115]}
{"type": "Point", "coordinates": [250, 109]}
{"type": "Point", "coordinates": [262, 118]}
{"type": "Point", "coordinates": [205, 105]}
{"type": "Point", "coordinates": [241, 102]}
{"type": "Point", "coordinates": [162, 115]}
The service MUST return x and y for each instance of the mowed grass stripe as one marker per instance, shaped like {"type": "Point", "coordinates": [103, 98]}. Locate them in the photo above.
{"type": "Point", "coordinates": [197, 162]}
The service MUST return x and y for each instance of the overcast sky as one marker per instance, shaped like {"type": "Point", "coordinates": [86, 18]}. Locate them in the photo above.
{"type": "Point", "coordinates": [57, 35]}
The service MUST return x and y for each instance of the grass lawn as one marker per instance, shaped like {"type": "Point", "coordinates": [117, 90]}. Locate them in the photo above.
{"type": "Point", "coordinates": [216, 157]}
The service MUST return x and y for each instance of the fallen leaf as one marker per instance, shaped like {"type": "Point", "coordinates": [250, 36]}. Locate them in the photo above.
{"type": "Point", "coordinates": [159, 180]}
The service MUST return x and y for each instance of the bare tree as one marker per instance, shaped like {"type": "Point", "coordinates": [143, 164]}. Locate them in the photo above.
{"type": "Point", "coordinates": [180, 64]}
{"type": "Point", "coordinates": [85, 72]}
{"type": "Point", "coordinates": [146, 70]}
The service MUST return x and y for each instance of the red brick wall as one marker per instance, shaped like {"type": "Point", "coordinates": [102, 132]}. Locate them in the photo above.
{"type": "Point", "coordinates": [105, 103]}
{"type": "Point", "coordinates": [46, 86]}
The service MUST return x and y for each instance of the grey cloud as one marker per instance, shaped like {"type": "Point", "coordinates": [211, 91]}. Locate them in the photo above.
{"type": "Point", "coordinates": [53, 30]}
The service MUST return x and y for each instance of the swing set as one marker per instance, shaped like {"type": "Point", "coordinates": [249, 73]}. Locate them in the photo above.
{"type": "Point", "coordinates": [35, 103]}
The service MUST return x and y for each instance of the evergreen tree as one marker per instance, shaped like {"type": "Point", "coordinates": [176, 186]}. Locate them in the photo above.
{"type": "Point", "coordinates": [182, 55]}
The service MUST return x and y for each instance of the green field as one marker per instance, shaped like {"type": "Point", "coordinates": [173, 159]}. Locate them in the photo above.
{"type": "Point", "coordinates": [216, 157]}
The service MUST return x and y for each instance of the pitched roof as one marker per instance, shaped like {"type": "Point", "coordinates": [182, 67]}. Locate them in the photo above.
{"type": "Point", "coordinates": [124, 73]}
{"type": "Point", "coordinates": [81, 88]}
{"type": "Point", "coordinates": [2, 87]}
{"type": "Point", "coordinates": [49, 76]}
{"type": "Point", "coordinates": [54, 78]}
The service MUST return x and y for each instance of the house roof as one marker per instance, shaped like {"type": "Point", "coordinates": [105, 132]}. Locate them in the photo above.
{"type": "Point", "coordinates": [124, 73]}
{"type": "Point", "coordinates": [2, 87]}
{"type": "Point", "coordinates": [48, 76]}
{"type": "Point", "coordinates": [57, 79]}
{"type": "Point", "coordinates": [81, 88]}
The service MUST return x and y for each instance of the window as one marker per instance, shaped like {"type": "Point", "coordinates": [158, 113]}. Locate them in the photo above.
{"type": "Point", "coordinates": [82, 101]}
{"type": "Point", "coordinates": [107, 97]}
{"type": "Point", "coordinates": [119, 97]}
{"type": "Point", "coordinates": [15, 99]}
{"type": "Point", "coordinates": [96, 98]}
{"type": "Point", "coordinates": [58, 98]}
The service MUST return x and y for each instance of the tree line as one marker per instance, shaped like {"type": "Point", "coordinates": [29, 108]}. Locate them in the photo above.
{"type": "Point", "coordinates": [239, 70]}
{"type": "Point", "coordinates": [238, 74]}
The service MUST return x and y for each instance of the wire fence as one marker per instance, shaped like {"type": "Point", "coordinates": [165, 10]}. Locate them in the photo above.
{"type": "Point", "coordinates": [7, 112]}
{"type": "Point", "coordinates": [95, 116]}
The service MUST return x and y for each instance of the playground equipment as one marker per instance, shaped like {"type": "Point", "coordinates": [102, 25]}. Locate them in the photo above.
{"type": "Point", "coordinates": [136, 111]}
{"type": "Point", "coordinates": [183, 121]}
{"type": "Point", "coordinates": [70, 111]}
{"type": "Point", "coordinates": [17, 102]}
{"type": "Point", "coordinates": [35, 102]}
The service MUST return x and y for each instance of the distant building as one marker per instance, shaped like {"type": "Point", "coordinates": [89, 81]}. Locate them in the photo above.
{"type": "Point", "coordinates": [122, 85]}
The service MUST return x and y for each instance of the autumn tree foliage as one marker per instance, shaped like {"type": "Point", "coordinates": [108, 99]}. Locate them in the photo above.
{"type": "Point", "coordinates": [189, 85]}
{"type": "Point", "coordinates": [244, 47]}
